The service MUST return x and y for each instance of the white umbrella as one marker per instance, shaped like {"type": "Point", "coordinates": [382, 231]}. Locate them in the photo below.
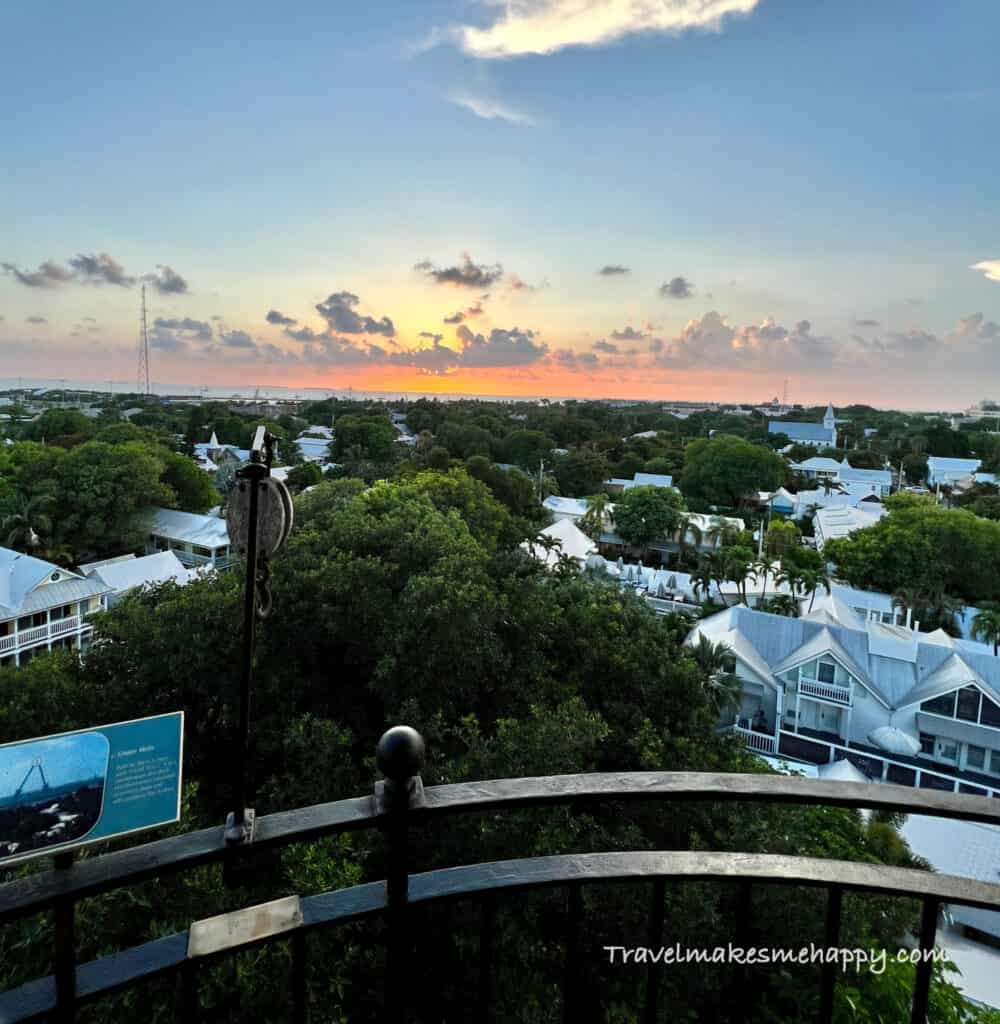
{"type": "Point", "coordinates": [894, 741]}
{"type": "Point", "coordinates": [842, 771]}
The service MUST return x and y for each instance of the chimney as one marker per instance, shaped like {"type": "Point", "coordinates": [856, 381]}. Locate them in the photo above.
{"type": "Point", "coordinates": [909, 618]}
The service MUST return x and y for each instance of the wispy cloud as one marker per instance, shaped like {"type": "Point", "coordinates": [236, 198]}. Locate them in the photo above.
{"type": "Point", "coordinates": [490, 109]}
{"type": "Point", "coordinates": [991, 268]}
{"type": "Point", "coordinates": [547, 26]}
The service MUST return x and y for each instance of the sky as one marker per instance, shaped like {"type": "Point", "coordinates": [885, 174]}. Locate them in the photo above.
{"type": "Point", "coordinates": [66, 759]}
{"type": "Point", "coordinates": [660, 199]}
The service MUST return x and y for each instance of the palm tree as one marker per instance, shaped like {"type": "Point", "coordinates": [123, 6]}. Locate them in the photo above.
{"type": "Point", "coordinates": [28, 523]}
{"type": "Point", "coordinates": [811, 580]}
{"type": "Point", "coordinates": [703, 577]}
{"type": "Point", "coordinates": [721, 684]}
{"type": "Point", "coordinates": [689, 536]}
{"type": "Point", "coordinates": [986, 625]}
{"type": "Point", "coordinates": [592, 521]}
{"type": "Point", "coordinates": [760, 568]}
{"type": "Point", "coordinates": [739, 571]}
{"type": "Point", "coordinates": [784, 604]}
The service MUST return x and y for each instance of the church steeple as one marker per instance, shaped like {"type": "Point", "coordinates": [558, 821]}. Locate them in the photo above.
{"type": "Point", "coordinates": [829, 420]}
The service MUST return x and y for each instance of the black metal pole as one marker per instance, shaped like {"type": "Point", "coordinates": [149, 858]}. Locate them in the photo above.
{"type": "Point", "coordinates": [400, 754]}
{"type": "Point", "coordinates": [251, 477]}
{"type": "Point", "coordinates": [922, 984]}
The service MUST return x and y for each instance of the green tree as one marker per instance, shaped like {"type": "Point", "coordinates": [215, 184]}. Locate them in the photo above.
{"type": "Point", "coordinates": [725, 470]}
{"type": "Point", "coordinates": [374, 435]}
{"type": "Point", "coordinates": [986, 625]}
{"type": "Point", "coordinates": [645, 513]}
{"type": "Point", "coordinates": [528, 448]}
{"type": "Point", "coordinates": [191, 485]}
{"type": "Point", "coordinates": [307, 474]}
{"type": "Point", "coordinates": [581, 472]}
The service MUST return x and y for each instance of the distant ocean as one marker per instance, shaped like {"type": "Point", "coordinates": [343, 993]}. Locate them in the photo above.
{"type": "Point", "coordinates": [250, 391]}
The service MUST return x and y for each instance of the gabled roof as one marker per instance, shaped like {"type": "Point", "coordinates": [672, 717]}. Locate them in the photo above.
{"type": "Point", "coordinates": [190, 528]}
{"type": "Point", "coordinates": [817, 463]}
{"type": "Point", "coordinates": [802, 431]}
{"type": "Point", "coordinates": [162, 567]}
{"type": "Point", "coordinates": [952, 674]}
{"type": "Point", "coordinates": [573, 543]}
{"type": "Point", "coordinates": [566, 506]}
{"type": "Point", "coordinates": [26, 584]}
{"type": "Point", "coordinates": [824, 642]}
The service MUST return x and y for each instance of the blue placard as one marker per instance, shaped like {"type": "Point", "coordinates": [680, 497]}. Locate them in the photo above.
{"type": "Point", "coordinates": [64, 791]}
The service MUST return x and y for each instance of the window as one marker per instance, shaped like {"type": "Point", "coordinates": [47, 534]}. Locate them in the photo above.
{"type": "Point", "coordinates": [926, 743]}
{"type": "Point", "coordinates": [990, 713]}
{"type": "Point", "coordinates": [204, 552]}
{"type": "Point", "coordinates": [946, 750]}
{"type": "Point", "coordinates": [940, 705]}
{"type": "Point", "coordinates": [975, 757]}
{"type": "Point", "coordinates": [826, 672]}
{"type": "Point", "coordinates": [968, 704]}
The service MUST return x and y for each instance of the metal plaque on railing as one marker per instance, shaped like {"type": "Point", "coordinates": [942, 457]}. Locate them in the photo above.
{"type": "Point", "coordinates": [64, 791]}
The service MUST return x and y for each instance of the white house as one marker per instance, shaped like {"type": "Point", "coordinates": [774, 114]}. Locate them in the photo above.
{"type": "Point", "coordinates": [842, 520]}
{"type": "Point", "coordinates": [313, 449]}
{"type": "Point", "coordinates": [949, 472]}
{"type": "Point", "coordinates": [619, 485]}
{"type": "Point", "coordinates": [127, 573]}
{"type": "Point", "coordinates": [194, 539]}
{"type": "Point", "coordinates": [211, 454]}
{"type": "Point", "coordinates": [920, 709]}
{"type": "Point", "coordinates": [819, 435]}
{"type": "Point", "coordinates": [705, 531]}
{"type": "Point", "coordinates": [43, 606]}
{"type": "Point", "coordinates": [876, 481]}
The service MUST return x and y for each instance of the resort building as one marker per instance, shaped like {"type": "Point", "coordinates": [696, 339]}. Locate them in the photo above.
{"type": "Point", "coordinates": [43, 606]}
{"type": "Point", "coordinates": [195, 539]}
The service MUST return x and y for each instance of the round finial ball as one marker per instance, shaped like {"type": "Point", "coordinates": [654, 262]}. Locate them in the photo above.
{"type": "Point", "coordinates": [400, 753]}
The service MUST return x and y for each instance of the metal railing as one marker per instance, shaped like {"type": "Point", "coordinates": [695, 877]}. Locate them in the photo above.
{"type": "Point", "coordinates": [401, 803]}
{"type": "Point", "coordinates": [759, 742]}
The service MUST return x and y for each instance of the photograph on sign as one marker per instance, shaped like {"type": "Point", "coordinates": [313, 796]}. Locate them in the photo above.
{"type": "Point", "coordinates": [41, 808]}
{"type": "Point", "coordinates": [60, 792]}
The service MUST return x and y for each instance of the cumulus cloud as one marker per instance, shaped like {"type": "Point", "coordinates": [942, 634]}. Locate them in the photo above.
{"type": "Point", "coordinates": [605, 346]}
{"type": "Point", "coordinates": [236, 339]}
{"type": "Point", "coordinates": [304, 334]}
{"type": "Point", "coordinates": [197, 330]}
{"type": "Point", "coordinates": [338, 312]}
{"type": "Point", "coordinates": [48, 275]}
{"type": "Point", "coordinates": [490, 109]}
{"type": "Point", "coordinates": [991, 268]}
{"type": "Point", "coordinates": [512, 347]}
{"type": "Point", "coordinates": [434, 337]}
{"type": "Point", "coordinates": [35, 320]}
{"type": "Point", "coordinates": [100, 268]}
{"type": "Point", "coordinates": [547, 26]}
{"type": "Point", "coordinates": [467, 275]}
{"type": "Point", "coordinates": [628, 333]}
{"type": "Point", "coordinates": [568, 359]}
{"type": "Point", "coordinates": [167, 281]}
{"type": "Point", "coordinates": [276, 317]}
{"type": "Point", "coordinates": [612, 269]}
{"type": "Point", "coordinates": [677, 288]}
{"type": "Point", "coordinates": [476, 309]}
{"type": "Point", "coordinates": [95, 269]}
{"type": "Point", "coordinates": [975, 328]}
{"type": "Point", "coordinates": [712, 341]}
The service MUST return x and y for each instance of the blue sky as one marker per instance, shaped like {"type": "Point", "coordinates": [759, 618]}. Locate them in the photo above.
{"type": "Point", "coordinates": [65, 759]}
{"type": "Point", "coordinates": [788, 160]}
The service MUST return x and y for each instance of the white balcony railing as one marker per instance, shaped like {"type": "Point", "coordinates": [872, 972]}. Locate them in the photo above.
{"type": "Point", "coordinates": [39, 634]}
{"type": "Point", "coordinates": [825, 691]}
{"type": "Point", "coordinates": [761, 742]}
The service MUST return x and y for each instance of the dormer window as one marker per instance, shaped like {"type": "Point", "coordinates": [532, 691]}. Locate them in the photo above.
{"type": "Point", "coordinates": [826, 672]}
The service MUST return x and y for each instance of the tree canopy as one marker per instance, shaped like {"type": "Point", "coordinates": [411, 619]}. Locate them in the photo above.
{"type": "Point", "coordinates": [725, 470]}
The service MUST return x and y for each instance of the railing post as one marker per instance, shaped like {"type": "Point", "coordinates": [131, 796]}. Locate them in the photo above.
{"type": "Point", "coordinates": [487, 927]}
{"type": "Point", "coordinates": [571, 968]}
{"type": "Point", "coordinates": [833, 908]}
{"type": "Point", "coordinates": [654, 940]}
{"type": "Point", "coordinates": [300, 997]}
{"type": "Point", "coordinates": [922, 984]}
{"type": "Point", "coordinates": [64, 953]}
{"type": "Point", "coordinates": [400, 756]}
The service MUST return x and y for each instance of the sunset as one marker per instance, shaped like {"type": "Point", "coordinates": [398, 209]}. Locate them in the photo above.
{"type": "Point", "coordinates": [438, 198]}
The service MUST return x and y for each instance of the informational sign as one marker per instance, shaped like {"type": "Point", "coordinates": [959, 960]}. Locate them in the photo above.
{"type": "Point", "coordinates": [64, 791]}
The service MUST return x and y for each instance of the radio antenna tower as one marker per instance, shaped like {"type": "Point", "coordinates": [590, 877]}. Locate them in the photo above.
{"type": "Point", "coordinates": [142, 378]}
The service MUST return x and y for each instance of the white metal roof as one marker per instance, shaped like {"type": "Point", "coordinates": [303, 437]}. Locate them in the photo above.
{"type": "Point", "coordinates": [125, 575]}
{"type": "Point", "coordinates": [190, 528]}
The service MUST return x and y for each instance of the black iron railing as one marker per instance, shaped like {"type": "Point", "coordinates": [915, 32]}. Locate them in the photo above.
{"type": "Point", "coordinates": [401, 803]}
